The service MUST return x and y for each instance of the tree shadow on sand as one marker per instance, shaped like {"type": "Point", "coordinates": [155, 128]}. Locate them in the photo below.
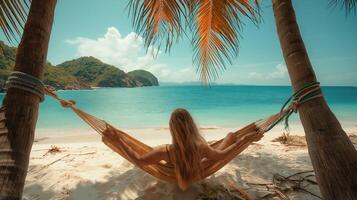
{"type": "Point", "coordinates": [136, 184]}
{"type": "Point", "coordinates": [258, 167]}
{"type": "Point", "coordinates": [132, 184]}
{"type": "Point", "coordinates": [36, 191]}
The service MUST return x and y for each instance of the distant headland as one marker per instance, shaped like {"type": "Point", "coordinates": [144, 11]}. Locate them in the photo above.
{"type": "Point", "coordinates": [80, 73]}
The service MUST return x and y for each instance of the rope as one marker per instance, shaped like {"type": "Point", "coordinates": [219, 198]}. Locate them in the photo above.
{"type": "Point", "coordinates": [308, 92]}
{"type": "Point", "coordinates": [26, 82]}
{"type": "Point", "coordinates": [281, 116]}
{"type": "Point", "coordinates": [64, 103]}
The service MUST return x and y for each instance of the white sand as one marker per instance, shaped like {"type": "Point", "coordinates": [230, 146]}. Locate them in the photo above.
{"type": "Point", "coordinates": [87, 169]}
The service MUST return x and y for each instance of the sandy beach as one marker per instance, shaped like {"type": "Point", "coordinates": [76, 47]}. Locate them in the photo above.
{"type": "Point", "coordinates": [85, 168]}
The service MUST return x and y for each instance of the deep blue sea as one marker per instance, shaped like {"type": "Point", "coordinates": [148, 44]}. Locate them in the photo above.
{"type": "Point", "coordinates": [214, 106]}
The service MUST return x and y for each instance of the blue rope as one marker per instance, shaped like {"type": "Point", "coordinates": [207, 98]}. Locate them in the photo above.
{"type": "Point", "coordinates": [295, 100]}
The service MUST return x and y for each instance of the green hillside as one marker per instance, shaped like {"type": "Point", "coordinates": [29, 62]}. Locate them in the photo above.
{"type": "Point", "coordinates": [81, 73]}
{"type": "Point", "coordinates": [93, 72]}
{"type": "Point", "coordinates": [144, 77]}
{"type": "Point", "coordinates": [7, 59]}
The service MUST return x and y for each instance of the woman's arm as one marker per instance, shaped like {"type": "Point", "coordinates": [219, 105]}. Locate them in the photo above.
{"type": "Point", "coordinates": [156, 155]}
{"type": "Point", "coordinates": [217, 154]}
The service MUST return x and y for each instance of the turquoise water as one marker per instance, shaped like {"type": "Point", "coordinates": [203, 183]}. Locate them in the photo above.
{"type": "Point", "coordinates": [215, 106]}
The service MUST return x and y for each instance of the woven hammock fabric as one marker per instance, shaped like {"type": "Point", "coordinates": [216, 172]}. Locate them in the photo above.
{"type": "Point", "coordinates": [162, 170]}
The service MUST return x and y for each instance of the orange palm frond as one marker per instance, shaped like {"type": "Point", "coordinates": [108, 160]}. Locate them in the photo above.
{"type": "Point", "coordinates": [157, 20]}
{"type": "Point", "coordinates": [216, 33]}
{"type": "Point", "coordinates": [13, 15]}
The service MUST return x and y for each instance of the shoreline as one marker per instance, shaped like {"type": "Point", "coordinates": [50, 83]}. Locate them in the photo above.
{"type": "Point", "coordinates": [3, 91]}
{"type": "Point", "coordinates": [151, 135]}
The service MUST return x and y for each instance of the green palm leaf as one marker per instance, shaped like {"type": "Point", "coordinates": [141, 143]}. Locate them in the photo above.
{"type": "Point", "coordinates": [348, 5]}
{"type": "Point", "coordinates": [13, 15]}
{"type": "Point", "coordinates": [158, 21]}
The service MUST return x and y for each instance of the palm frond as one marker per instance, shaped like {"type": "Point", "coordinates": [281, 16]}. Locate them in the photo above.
{"type": "Point", "coordinates": [158, 21]}
{"type": "Point", "coordinates": [216, 33]}
{"type": "Point", "coordinates": [191, 5]}
{"type": "Point", "coordinates": [348, 5]}
{"type": "Point", "coordinates": [13, 15]}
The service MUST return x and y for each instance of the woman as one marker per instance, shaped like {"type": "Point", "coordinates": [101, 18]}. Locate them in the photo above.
{"type": "Point", "coordinates": [188, 149]}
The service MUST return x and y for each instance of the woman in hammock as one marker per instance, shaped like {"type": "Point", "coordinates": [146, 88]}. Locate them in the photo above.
{"type": "Point", "coordinates": [188, 149]}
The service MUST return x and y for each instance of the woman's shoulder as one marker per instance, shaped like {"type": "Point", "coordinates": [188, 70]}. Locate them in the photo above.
{"type": "Point", "coordinates": [163, 147]}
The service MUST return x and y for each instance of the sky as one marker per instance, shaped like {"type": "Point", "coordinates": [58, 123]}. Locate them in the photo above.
{"type": "Point", "coordinates": [103, 29]}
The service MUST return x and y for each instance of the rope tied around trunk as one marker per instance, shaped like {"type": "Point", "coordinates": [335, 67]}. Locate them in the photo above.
{"type": "Point", "coordinates": [26, 82]}
{"type": "Point", "coordinates": [29, 83]}
{"type": "Point", "coordinates": [308, 92]}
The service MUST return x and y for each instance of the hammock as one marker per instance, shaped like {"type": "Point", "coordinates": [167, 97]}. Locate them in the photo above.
{"type": "Point", "coordinates": [163, 170]}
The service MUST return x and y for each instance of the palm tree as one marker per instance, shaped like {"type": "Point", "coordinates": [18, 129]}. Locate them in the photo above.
{"type": "Point", "coordinates": [22, 107]}
{"type": "Point", "coordinates": [215, 25]}
{"type": "Point", "coordinates": [333, 155]}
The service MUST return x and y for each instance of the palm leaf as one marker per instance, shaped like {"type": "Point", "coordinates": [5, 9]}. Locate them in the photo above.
{"type": "Point", "coordinates": [215, 24]}
{"type": "Point", "coordinates": [13, 14]}
{"type": "Point", "coordinates": [348, 5]}
{"type": "Point", "coordinates": [216, 33]}
{"type": "Point", "coordinates": [158, 21]}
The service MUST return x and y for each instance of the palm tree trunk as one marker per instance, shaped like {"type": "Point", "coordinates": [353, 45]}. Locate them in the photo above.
{"type": "Point", "coordinates": [22, 107]}
{"type": "Point", "coordinates": [333, 155]}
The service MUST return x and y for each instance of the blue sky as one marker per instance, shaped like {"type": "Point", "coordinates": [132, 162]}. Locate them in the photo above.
{"type": "Point", "coordinates": [103, 29]}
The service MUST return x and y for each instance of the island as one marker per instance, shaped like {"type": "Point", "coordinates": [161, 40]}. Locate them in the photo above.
{"type": "Point", "coordinates": [81, 73]}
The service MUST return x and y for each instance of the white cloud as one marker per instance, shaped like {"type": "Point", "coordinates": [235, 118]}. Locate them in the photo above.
{"type": "Point", "coordinates": [128, 53]}
{"type": "Point", "coordinates": [271, 73]}
{"type": "Point", "coordinates": [255, 75]}
{"type": "Point", "coordinates": [167, 74]}
{"type": "Point", "coordinates": [279, 73]}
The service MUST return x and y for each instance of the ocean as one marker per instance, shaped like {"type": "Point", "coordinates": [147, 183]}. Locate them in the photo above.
{"type": "Point", "coordinates": [212, 107]}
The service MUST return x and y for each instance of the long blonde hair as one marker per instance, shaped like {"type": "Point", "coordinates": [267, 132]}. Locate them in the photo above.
{"type": "Point", "coordinates": [186, 140]}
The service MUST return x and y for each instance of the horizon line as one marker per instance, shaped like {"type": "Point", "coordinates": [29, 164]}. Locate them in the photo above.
{"type": "Point", "coordinates": [197, 83]}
